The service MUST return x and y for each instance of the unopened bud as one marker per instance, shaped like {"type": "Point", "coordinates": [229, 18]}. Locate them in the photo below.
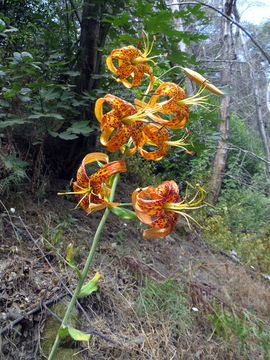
{"type": "Point", "coordinates": [199, 79]}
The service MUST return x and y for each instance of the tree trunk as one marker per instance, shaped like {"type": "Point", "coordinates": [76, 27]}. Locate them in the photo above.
{"type": "Point", "coordinates": [220, 159]}
{"type": "Point", "coordinates": [259, 114]}
{"type": "Point", "coordinates": [90, 28]}
{"type": "Point", "coordinates": [261, 128]}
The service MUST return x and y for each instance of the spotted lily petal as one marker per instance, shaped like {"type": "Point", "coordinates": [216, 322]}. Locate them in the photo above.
{"type": "Point", "coordinates": [174, 94]}
{"type": "Point", "coordinates": [82, 177]}
{"type": "Point", "coordinates": [154, 135]}
{"type": "Point", "coordinates": [131, 62]}
{"type": "Point", "coordinates": [118, 124]}
{"type": "Point", "coordinates": [149, 205]}
{"type": "Point", "coordinates": [92, 192]}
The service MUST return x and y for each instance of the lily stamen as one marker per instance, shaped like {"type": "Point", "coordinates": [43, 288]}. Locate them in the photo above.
{"type": "Point", "coordinates": [196, 99]}
{"type": "Point", "coordinates": [190, 204]}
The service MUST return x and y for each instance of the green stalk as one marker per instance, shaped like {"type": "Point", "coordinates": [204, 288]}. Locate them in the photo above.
{"type": "Point", "coordinates": [85, 271]}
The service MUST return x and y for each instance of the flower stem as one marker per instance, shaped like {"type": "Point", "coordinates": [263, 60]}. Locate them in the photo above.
{"type": "Point", "coordinates": [85, 270]}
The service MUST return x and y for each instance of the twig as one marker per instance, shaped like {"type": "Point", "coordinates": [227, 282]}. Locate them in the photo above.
{"type": "Point", "coordinates": [231, 20]}
{"type": "Point", "coordinates": [45, 304]}
{"type": "Point", "coordinates": [53, 270]}
{"type": "Point", "coordinates": [76, 12]}
{"type": "Point", "coordinates": [33, 311]}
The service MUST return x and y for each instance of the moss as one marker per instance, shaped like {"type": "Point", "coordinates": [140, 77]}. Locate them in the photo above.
{"type": "Point", "coordinates": [68, 354]}
{"type": "Point", "coordinates": [51, 327]}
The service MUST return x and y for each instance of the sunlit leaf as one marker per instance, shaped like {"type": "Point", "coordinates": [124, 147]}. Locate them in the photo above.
{"type": "Point", "coordinates": [124, 213]}
{"type": "Point", "coordinates": [74, 333]}
{"type": "Point", "coordinates": [90, 287]}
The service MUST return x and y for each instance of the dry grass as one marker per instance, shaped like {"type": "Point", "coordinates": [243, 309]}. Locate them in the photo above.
{"type": "Point", "coordinates": [127, 263]}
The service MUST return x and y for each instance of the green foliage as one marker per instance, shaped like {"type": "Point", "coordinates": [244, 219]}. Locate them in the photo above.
{"type": "Point", "coordinates": [243, 329]}
{"type": "Point", "coordinates": [50, 330]}
{"type": "Point", "coordinates": [90, 287]}
{"type": "Point", "coordinates": [54, 231]}
{"type": "Point", "coordinates": [142, 172]}
{"type": "Point", "coordinates": [194, 168]}
{"type": "Point", "coordinates": [243, 168]}
{"type": "Point", "coordinates": [12, 173]}
{"type": "Point", "coordinates": [167, 301]}
{"type": "Point", "coordinates": [76, 335]}
{"type": "Point", "coordinates": [241, 223]}
{"type": "Point", "coordinates": [124, 213]}
{"type": "Point", "coordinates": [35, 104]}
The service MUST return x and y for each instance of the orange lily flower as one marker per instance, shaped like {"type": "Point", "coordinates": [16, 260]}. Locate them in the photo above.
{"type": "Point", "coordinates": [158, 136]}
{"type": "Point", "coordinates": [120, 123]}
{"type": "Point", "coordinates": [161, 206]}
{"type": "Point", "coordinates": [154, 135]}
{"type": "Point", "coordinates": [92, 192]}
{"type": "Point", "coordinates": [131, 63]}
{"type": "Point", "coordinates": [175, 105]}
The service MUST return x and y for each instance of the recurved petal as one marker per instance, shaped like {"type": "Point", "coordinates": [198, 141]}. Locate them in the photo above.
{"type": "Point", "coordinates": [125, 70]}
{"type": "Point", "coordinates": [151, 83]}
{"type": "Point", "coordinates": [171, 90]}
{"type": "Point", "coordinates": [177, 122]}
{"type": "Point", "coordinates": [167, 220]}
{"type": "Point", "coordinates": [154, 233]}
{"type": "Point", "coordinates": [82, 177]}
{"type": "Point", "coordinates": [148, 202]}
{"type": "Point", "coordinates": [155, 155]}
{"type": "Point", "coordinates": [126, 53]}
{"type": "Point", "coordinates": [110, 64]}
{"type": "Point", "coordinates": [124, 107]}
{"type": "Point", "coordinates": [105, 135]}
{"type": "Point", "coordinates": [106, 171]}
{"type": "Point", "coordinates": [155, 135]}
{"type": "Point", "coordinates": [99, 108]}
{"type": "Point", "coordinates": [170, 190]}
{"type": "Point", "coordinates": [96, 207]}
{"type": "Point", "coordinates": [112, 118]}
{"type": "Point", "coordinates": [96, 156]}
{"type": "Point", "coordinates": [119, 138]}
{"type": "Point", "coordinates": [142, 215]}
{"type": "Point", "coordinates": [138, 74]}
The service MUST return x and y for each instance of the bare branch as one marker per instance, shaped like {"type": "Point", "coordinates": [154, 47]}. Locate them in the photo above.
{"type": "Point", "coordinates": [265, 54]}
{"type": "Point", "coordinates": [75, 11]}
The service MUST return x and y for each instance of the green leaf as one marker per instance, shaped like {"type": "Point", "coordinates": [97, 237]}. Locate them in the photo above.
{"type": "Point", "coordinates": [90, 287]}
{"type": "Point", "coordinates": [11, 29]}
{"type": "Point", "coordinates": [80, 127]}
{"type": "Point", "coordinates": [26, 55]}
{"type": "Point", "coordinates": [124, 213]}
{"type": "Point", "coordinates": [67, 136]}
{"type": "Point", "coordinates": [9, 94]}
{"type": "Point", "coordinates": [2, 25]}
{"type": "Point", "coordinates": [17, 121]}
{"type": "Point", "coordinates": [24, 98]}
{"type": "Point", "coordinates": [47, 115]}
{"type": "Point", "coordinates": [72, 73]}
{"type": "Point", "coordinates": [25, 91]}
{"type": "Point", "coordinates": [17, 55]}
{"type": "Point", "coordinates": [74, 333]}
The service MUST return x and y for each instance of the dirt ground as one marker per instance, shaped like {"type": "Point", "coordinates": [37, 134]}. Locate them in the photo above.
{"type": "Point", "coordinates": [36, 281]}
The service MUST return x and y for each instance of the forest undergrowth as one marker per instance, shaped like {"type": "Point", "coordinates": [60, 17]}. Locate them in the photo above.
{"type": "Point", "coordinates": [182, 297]}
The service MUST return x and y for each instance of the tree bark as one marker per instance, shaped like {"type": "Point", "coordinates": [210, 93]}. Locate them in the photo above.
{"type": "Point", "coordinates": [220, 158]}
{"type": "Point", "coordinates": [262, 132]}
{"type": "Point", "coordinates": [259, 113]}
